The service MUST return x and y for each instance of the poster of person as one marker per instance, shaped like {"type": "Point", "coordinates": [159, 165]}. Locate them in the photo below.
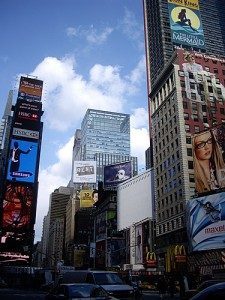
{"type": "Point", "coordinates": [200, 84]}
{"type": "Point", "coordinates": [22, 161]}
{"type": "Point", "coordinates": [209, 159]}
{"type": "Point", "coordinates": [17, 207]}
{"type": "Point", "coordinates": [115, 174]}
{"type": "Point", "coordinates": [206, 222]}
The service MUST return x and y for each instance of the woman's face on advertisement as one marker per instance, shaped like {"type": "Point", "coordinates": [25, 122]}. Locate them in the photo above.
{"type": "Point", "coordinates": [203, 146]}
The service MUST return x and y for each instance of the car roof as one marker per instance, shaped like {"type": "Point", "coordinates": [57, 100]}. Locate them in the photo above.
{"type": "Point", "coordinates": [214, 287]}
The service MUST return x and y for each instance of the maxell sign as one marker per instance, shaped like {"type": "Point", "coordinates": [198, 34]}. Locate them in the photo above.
{"type": "Point", "coordinates": [30, 134]}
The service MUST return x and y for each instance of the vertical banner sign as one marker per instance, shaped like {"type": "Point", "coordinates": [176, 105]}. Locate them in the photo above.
{"type": "Point", "coordinates": [185, 23]}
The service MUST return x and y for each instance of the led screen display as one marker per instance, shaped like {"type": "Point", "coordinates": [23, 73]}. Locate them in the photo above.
{"type": "Point", "coordinates": [30, 89]}
{"type": "Point", "coordinates": [22, 161]}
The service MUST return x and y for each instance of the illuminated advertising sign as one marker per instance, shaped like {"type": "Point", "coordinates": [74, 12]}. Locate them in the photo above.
{"type": "Point", "coordinates": [22, 161]}
{"type": "Point", "coordinates": [115, 174]}
{"type": "Point", "coordinates": [185, 23]}
{"type": "Point", "coordinates": [17, 207]}
{"type": "Point", "coordinates": [27, 114]}
{"type": "Point", "coordinates": [84, 172]}
{"type": "Point", "coordinates": [30, 89]}
{"type": "Point", "coordinates": [88, 198]}
{"type": "Point", "coordinates": [25, 133]}
{"type": "Point", "coordinates": [209, 159]}
{"type": "Point", "coordinates": [206, 222]}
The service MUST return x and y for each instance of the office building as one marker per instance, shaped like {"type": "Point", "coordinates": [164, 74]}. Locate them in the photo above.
{"type": "Point", "coordinates": [158, 34]}
{"type": "Point", "coordinates": [104, 137]}
{"type": "Point", "coordinates": [183, 104]}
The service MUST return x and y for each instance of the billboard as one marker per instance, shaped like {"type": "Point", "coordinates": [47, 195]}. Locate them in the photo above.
{"type": "Point", "coordinates": [84, 172]}
{"type": "Point", "coordinates": [185, 23]}
{"type": "Point", "coordinates": [209, 159]}
{"type": "Point", "coordinates": [138, 244]}
{"type": "Point", "coordinates": [115, 174]}
{"type": "Point", "coordinates": [27, 115]}
{"type": "Point", "coordinates": [88, 198]}
{"type": "Point", "coordinates": [198, 81]}
{"type": "Point", "coordinates": [17, 207]}
{"type": "Point", "coordinates": [206, 222]}
{"type": "Point", "coordinates": [22, 161]}
{"type": "Point", "coordinates": [30, 89]}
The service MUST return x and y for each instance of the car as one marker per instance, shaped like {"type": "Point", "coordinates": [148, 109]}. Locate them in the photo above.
{"type": "Point", "coordinates": [78, 291]}
{"type": "Point", "coordinates": [215, 291]}
{"type": "Point", "coordinates": [202, 286]}
{"type": "Point", "coordinates": [108, 280]}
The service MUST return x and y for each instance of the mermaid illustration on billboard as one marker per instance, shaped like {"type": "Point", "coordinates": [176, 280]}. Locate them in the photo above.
{"type": "Point", "coordinates": [184, 20]}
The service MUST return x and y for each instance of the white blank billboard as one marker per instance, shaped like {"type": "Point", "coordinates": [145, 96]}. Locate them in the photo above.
{"type": "Point", "coordinates": [135, 200]}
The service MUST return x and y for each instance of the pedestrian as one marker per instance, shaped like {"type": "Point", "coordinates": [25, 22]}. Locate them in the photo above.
{"type": "Point", "coordinates": [171, 287]}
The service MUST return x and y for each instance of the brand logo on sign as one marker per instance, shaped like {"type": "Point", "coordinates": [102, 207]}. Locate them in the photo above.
{"type": "Point", "coordinates": [26, 133]}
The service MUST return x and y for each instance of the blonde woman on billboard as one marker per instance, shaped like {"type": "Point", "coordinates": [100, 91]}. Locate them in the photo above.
{"type": "Point", "coordinates": [209, 166]}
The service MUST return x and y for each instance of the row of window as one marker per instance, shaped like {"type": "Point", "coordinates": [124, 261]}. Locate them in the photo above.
{"type": "Point", "coordinates": [170, 225]}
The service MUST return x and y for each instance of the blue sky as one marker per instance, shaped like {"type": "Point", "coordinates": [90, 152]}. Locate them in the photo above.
{"type": "Point", "coordinates": [90, 54]}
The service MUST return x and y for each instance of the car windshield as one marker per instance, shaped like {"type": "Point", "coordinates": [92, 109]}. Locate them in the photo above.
{"type": "Point", "coordinates": [107, 278]}
{"type": "Point", "coordinates": [80, 291]}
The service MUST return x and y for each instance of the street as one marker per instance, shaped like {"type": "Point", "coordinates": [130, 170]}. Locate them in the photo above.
{"type": "Point", "coordinates": [17, 294]}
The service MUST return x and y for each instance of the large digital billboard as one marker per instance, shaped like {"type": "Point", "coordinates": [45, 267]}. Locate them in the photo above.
{"type": "Point", "coordinates": [84, 172]}
{"type": "Point", "coordinates": [206, 222]}
{"type": "Point", "coordinates": [17, 207]}
{"type": "Point", "coordinates": [27, 114]}
{"type": "Point", "coordinates": [186, 24]}
{"type": "Point", "coordinates": [115, 174]}
{"type": "Point", "coordinates": [30, 89]}
{"type": "Point", "coordinates": [209, 159]}
{"type": "Point", "coordinates": [22, 161]}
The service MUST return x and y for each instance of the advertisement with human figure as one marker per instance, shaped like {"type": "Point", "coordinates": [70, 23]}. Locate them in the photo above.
{"type": "Point", "coordinates": [200, 85]}
{"type": "Point", "coordinates": [185, 23]}
{"type": "Point", "coordinates": [206, 222]}
{"type": "Point", "coordinates": [22, 161]}
{"type": "Point", "coordinates": [209, 159]}
{"type": "Point", "coordinates": [115, 174]}
{"type": "Point", "coordinates": [88, 198]}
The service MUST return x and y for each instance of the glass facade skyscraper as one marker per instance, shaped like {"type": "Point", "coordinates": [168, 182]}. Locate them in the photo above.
{"type": "Point", "coordinates": [103, 131]}
{"type": "Point", "coordinates": [105, 138]}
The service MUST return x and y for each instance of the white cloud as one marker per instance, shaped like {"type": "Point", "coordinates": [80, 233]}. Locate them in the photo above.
{"type": "Point", "coordinates": [68, 95]}
{"type": "Point", "coordinates": [91, 34]}
{"type": "Point", "coordinates": [98, 38]}
{"type": "Point", "coordinates": [71, 31]}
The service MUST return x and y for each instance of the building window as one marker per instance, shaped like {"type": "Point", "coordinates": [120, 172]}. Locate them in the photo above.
{"type": "Point", "coordinates": [189, 152]}
{"type": "Point", "coordinates": [185, 105]}
{"type": "Point", "coordinates": [190, 165]}
{"type": "Point", "coordinates": [191, 178]}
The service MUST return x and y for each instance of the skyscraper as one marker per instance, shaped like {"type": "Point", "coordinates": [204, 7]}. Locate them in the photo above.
{"type": "Point", "coordinates": [105, 138]}
{"type": "Point", "coordinates": [186, 98]}
{"type": "Point", "coordinates": [159, 40]}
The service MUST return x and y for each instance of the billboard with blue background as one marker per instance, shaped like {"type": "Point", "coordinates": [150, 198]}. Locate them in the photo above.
{"type": "Point", "coordinates": [115, 174]}
{"type": "Point", "coordinates": [185, 23]}
{"type": "Point", "coordinates": [22, 161]}
{"type": "Point", "coordinates": [206, 222]}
